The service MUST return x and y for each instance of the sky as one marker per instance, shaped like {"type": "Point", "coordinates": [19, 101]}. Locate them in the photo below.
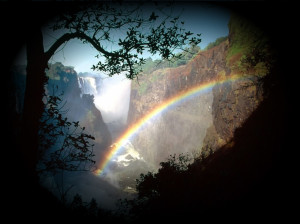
{"type": "Point", "coordinates": [208, 20]}
{"type": "Point", "coordinates": [113, 100]}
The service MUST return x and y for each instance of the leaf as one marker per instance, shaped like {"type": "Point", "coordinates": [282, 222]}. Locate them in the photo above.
{"type": "Point", "coordinates": [153, 17]}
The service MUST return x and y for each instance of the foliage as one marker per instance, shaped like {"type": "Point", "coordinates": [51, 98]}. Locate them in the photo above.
{"type": "Point", "coordinates": [158, 184]}
{"type": "Point", "coordinates": [77, 203]}
{"type": "Point", "coordinates": [186, 55]}
{"type": "Point", "coordinates": [120, 34]}
{"type": "Point", "coordinates": [98, 24]}
{"type": "Point", "coordinates": [63, 145]}
{"type": "Point", "coordinates": [216, 42]}
{"type": "Point", "coordinates": [82, 211]}
{"type": "Point", "coordinates": [143, 88]}
{"type": "Point", "coordinates": [162, 193]}
{"type": "Point", "coordinates": [249, 48]}
{"type": "Point", "coordinates": [154, 185]}
{"type": "Point", "coordinates": [148, 67]}
{"type": "Point", "coordinates": [178, 163]}
{"type": "Point", "coordinates": [57, 70]}
{"type": "Point", "coordinates": [178, 59]}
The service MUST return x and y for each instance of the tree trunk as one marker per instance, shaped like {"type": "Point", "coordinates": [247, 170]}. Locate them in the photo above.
{"type": "Point", "coordinates": [33, 104]}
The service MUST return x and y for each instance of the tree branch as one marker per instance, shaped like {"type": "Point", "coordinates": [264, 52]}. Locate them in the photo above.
{"type": "Point", "coordinates": [79, 35]}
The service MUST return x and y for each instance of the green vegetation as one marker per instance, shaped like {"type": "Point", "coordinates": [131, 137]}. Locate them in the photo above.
{"type": "Point", "coordinates": [168, 192]}
{"type": "Point", "coordinates": [216, 42]}
{"type": "Point", "coordinates": [87, 210]}
{"type": "Point", "coordinates": [249, 49]}
{"type": "Point", "coordinates": [94, 24]}
{"type": "Point", "coordinates": [55, 70]}
{"type": "Point", "coordinates": [151, 66]}
{"type": "Point", "coordinates": [143, 88]}
{"type": "Point", "coordinates": [148, 80]}
{"type": "Point", "coordinates": [178, 59]}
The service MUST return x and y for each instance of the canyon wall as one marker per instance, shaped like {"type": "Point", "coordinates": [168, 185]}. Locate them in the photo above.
{"type": "Point", "coordinates": [207, 121]}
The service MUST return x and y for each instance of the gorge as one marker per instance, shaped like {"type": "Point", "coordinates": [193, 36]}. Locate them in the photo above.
{"type": "Point", "coordinates": [227, 123]}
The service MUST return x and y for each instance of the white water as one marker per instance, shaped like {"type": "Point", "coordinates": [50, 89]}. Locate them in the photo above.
{"type": "Point", "coordinates": [111, 97]}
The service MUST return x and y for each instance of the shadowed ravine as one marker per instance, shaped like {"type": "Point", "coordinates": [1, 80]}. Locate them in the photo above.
{"type": "Point", "coordinates": [237, 127]}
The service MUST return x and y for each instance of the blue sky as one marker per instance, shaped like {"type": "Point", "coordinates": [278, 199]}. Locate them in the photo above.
{"type": "Point", "coordinates": [209, 20]}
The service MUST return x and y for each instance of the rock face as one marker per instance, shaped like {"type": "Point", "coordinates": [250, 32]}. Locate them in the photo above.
{"type": "Point", "coordinates": [208, 121]}
{"type": "Point", "coordinates": [235, 101]}
{"type": "Point", "coordinates": [233, 104]}
{"type": "Point", "coordinates": [76, 106]}
{"type": "Point", "coordinates": [181, 128]}
{"type": "Point", "coordinates": [79, 103]}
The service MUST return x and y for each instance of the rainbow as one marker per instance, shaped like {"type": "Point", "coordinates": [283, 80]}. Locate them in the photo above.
{"type": "Point", "coordinates": [179, 97]}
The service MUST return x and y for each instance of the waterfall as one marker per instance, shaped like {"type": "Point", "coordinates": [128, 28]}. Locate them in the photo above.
{"type": "Point", "coordinates": [111, 95]}
{"type": "Point", "coordinates": [88, 85]}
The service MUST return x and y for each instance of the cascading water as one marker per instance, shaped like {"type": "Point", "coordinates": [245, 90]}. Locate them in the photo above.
{"type": "Point", "coordinates": [87, 85]}
{"type": "Point", "coordinates": [111, 97]}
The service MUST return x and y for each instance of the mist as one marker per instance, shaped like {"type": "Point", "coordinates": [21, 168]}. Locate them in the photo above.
{"type": "Point", "coordinates": [240, 126]}
{"type": "Point", "coordinates": [175, 131]}
{"type": "Point", "coordinates": [181, 129]}
{"type": "Point", "coordinates": [113, 98]}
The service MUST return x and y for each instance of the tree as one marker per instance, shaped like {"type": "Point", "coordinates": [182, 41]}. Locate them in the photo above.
{"type": "Point", "coordinates": [93, 208]}
{"type": "Point", "coordinates": [216, 42]}
{"type": "Point", "coordinates": [77, 205]}
{"type": "Point", "coordinates": [96, 24]}
{"type": "Point", "coordinates": [63, 145]}
{"type": "Point", "coordinates": [164, 181]}
{"type": "Point", "coordinates": [164, 193]}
